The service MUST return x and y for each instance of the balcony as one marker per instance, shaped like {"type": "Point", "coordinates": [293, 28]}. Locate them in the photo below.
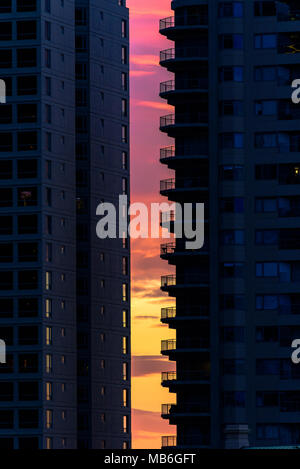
{"type": "Point", "coordinates": [171, 155]}
{"type": "Point", "coordinates": [170, 378]}
{"type": "Point", "coordinates": [191, 409]}
{"type": "Point", "coordinates": [168, 441]}
{"type": "Point", "coordinates": [190, 313]}
{"type": "Point", "coordinates": [184, 86]}
{"type": "Point", "coordinates": [173, 122]}
{"type": "Point", "coordinates": [167, 186]}
{"type": "Point", "coordinates": [169, 26]}
{"type": "Point", "coordinates": [168, 57]}
{"type": "Point", "coordinates": [168, 282]}
{"type": "Point", "coordinates": [186, 345]}
{"type": "Point", "coordinates": [171, 251]}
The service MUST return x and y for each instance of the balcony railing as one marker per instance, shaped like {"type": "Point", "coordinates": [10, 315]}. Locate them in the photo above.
{"type": "Point", "coordinates": [171, 151]}
{"type": "Point", "coordinates": [168, 313]}
{"type": "Point", "coordinates": [184, 84]}
{"type": "Point", "coordinates": [194, 407]}
{"type": "Point", "coordinates": [167, 441]}
{"type": "Point", "coordinates": [167, 248]}
{"type": "Point", "coordinates": [200, 375]}
{"type": "Point", "coordinates": [168, 280]}
{"type": "Point", "coordinates": [168, 376]}
{"type": "Point", "coordinates": [186, 118]}
{"type": "Point", "coordinates": [183, 183]}
{"type": "Point", "coordinates": [189, 20]}
{"type": "Point", "coordinates": [184, 53]}
{"type": "Point", "coordinates": [173, 280]}
{"type": "Point", "coordinates": [169, 344]}
{"type": "Point", "coordinates": [172, 344]}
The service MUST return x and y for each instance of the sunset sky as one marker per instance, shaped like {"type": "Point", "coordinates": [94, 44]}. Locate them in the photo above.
{"type": "Point", "coordinates": [146, 172]}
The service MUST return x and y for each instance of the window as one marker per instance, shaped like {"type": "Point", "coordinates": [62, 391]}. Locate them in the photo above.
{"type": "Point", "coordinates": [231, 108]}
{"type": "Point", "coordinates": [5, 6]}
{"type": "Point", "coordinates": [232, 237]}
{"type": "Point", "coordinates": [234, 398]}
{"type": "Point", "coordinates": [124, 160]}
{"type": "Point", "coordinates": [124, 134]}
{"type": "Point", "coordinates": [125, 318]}
{"type": "Point", "coordinates": [231, 140]}
{"type": "Point", "coordinates": [232, 270]}
{"type": "Point", "coordinates": [231, 73]}
{"type": "Point", "coordinates": [233, 335]}
{"type": "Point", "coordinates": [231, 10]}
{"type": "Point", "coordinates": [124, 55]}
{"type": "Point", "coordinates": [48, 363]}
{"type": "Point", "coordinates": [233, 367]}
{"type": "Point", "coordinates": [47, 30]}
{"type": "Point", "coordinates": [26, 58]}
{"type": "Point", "coordinates": [124, 29]}
{"type": "Point", "coordinates": [48, 283]}
{"type": "Point", "coordinates": [48, 6]}
{"type": "Point", "coordinates": [231, 41]}
{"type": "Point", "coordinates": [125, 292]}
{"type": "Point", "coordinates": [265, 108]}
{"type": "Point", "coordinates": [48, 308]}
{"type": "Point", "coordinates": [124, 186]}
{"type": "Point", "coordinates": [80, 16]}
{"type": "Point", "coordinates": [231, 173]}
{"type": "Point", "coordinates": [48, 87]}
{"type": "Point", "coordinates": [265, 41]}
{"type": "Point", "coordinates": [125, 371]}
{"type": "Point", "coordinates": [125, 424]}
{"type": "Point", "coordinates": [48, 335]}
{"type": "Point", "coordinates": [232, 205]}
{"type": "Point", "coordinates": [267, 237]}
{"type": "Point", "coordinates": [48, 58]}
{"type": "Point", "coordinates": [124, 345]}
{"type": "Point", "coordinates": [124, 108]}
{"type": "Point", "coordinates": [26, 30]}
{"type": "Point", "coordinates": [49, 418]}
{"type": "Point", "coordinates": [124, 81]}
{"type": "Point", "coordinates": [125, 397]}
{"type": "Point", "coordinates": [265, 8]}
{"type": "Point", "coordinates": [49, 391]}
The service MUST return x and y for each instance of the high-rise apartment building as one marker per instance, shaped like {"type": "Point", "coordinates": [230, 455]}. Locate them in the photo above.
{"type": "Point", "coordinates": [237, 149]}
{"type": "Point", "coordinates": [64, 293]}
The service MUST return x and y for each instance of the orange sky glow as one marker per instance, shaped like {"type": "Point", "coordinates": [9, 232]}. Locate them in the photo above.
{"type": "Point", "coordinates": [146, 172]}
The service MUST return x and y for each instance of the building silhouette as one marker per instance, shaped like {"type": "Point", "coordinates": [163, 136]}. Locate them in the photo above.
{"type": "Point", "coordinates": [236, 149]}
{"type": "Point", "coordinates": [64, 293]}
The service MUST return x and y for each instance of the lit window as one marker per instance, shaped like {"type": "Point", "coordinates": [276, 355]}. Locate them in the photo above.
{"type": "Point", "coordinates": [48, 443]}
{"type": "Point", "coordinates": [125, 423]}
{"type": "Point", "coordinates": [48, 363]}
{"type": "Point", "coordinates": [125, 397]}
{"type": "Point", "coordinates": [48, 280]}
{"type": "Point", "coordinates": [49, 418]}
{"type": "Point", "coordinates": [125, 292]}
{"type": "Point", "coordinates": [48, 391]}
{"type": "Point", "coordinates": [125, 345]}
{"type": "Point", "coordinates": [125, 318]}
{"type": "Point", "coordinates": [48, 335]}
{"type": "Point", "coordinates": [125, 371]}
{"type": "Point", "coordinates": [48, 306]}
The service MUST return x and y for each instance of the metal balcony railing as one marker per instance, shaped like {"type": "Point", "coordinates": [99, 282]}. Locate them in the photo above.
{"type": "Point", "coordinates": [184, 84]}
{"type": "Point", "coordinates": [166, 408]}
{"type": "Point", "coordinates": [168, 376]}
{"type": "Point", "coordinates": [184, 53]}
{"type": "Point", "coordinates": [167, 248]}
{"type": "Point", "coordinates": [171, 151]}
{"type": "Point", "coordinates": [189, 20]}
{"type": "Point", "coordinates": [172, 344]}
{"type": "Point", "coordinates": [169, 344]}
{"type": "Point", "coordinates": [200, 375]}
{"type": "Point", "coordinates": [171, 312]}
{"type": "Point", "coordinates": [186, 118]}
{"type": "Point", "coordinates": [183, 183]}
{"type": "Point", "coordinates": [168, 313]}
{"type": "Point", "coordinates": [168, 441]}
{"type": "Point", "coordinates": [168, 280]}
{"type": "Point", "coordinates": [173, 280]}
{"type": "Point", "coordinates": [193, 407]}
